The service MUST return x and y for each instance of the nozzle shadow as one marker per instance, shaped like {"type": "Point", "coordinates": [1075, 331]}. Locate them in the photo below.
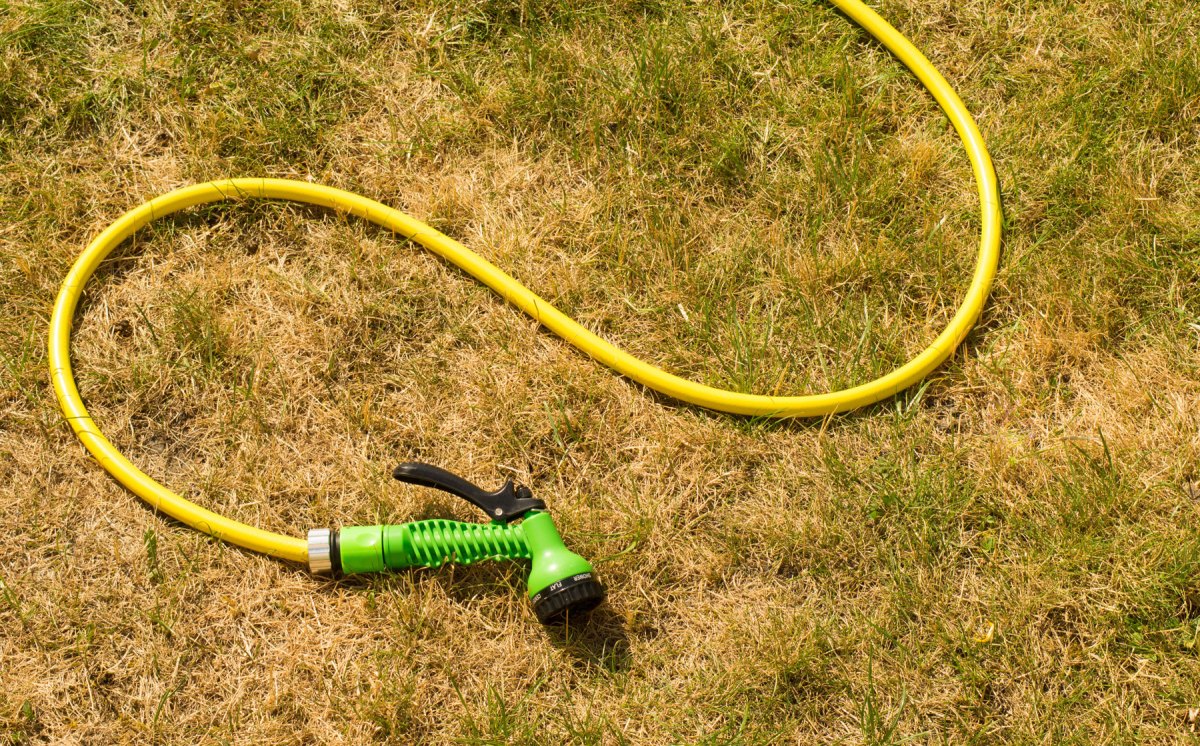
{"type": "Point", "coordinates": [598, 639]}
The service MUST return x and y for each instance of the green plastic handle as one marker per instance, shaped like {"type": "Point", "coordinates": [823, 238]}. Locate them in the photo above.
{"type": "Point", "coordinates": [428, 544]}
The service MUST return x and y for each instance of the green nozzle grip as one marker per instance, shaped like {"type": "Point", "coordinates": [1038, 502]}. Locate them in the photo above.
{"type": "Point", "coordinates": [427, 544]}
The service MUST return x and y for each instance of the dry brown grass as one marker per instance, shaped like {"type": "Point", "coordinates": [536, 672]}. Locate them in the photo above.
{"type": "Point", "coordinates": [753, 195]}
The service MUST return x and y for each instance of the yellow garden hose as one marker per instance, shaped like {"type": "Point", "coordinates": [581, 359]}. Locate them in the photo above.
{"type": "Point", "coordinates": [295, 549]}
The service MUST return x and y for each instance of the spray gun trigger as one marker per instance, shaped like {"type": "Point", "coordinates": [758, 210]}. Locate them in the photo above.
{"type": "Point", "coordinates": [508, 503]}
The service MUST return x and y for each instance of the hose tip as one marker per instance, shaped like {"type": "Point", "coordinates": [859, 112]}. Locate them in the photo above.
{"type": "Point", "coordinates": [320, 551]}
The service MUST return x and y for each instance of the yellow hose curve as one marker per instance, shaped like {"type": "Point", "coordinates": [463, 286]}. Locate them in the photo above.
{"type": "Point", "coordinates": [295, 549]}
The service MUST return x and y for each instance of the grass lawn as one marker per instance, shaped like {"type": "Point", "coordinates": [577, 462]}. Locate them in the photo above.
{"type": "Point", "coordinates": [752, 194]}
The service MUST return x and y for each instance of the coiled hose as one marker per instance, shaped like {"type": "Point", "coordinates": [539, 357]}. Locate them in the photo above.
{"type": "Point", "coordinates": [295, 549]}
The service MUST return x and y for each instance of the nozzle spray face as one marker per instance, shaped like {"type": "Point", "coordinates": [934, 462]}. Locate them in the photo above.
{"type": "Point", "coordinates": [562, 584]}
{"type": "Point", "coordinates": [568, 598]}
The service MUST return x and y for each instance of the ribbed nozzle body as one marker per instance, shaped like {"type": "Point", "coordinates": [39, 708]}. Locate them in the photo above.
{"type": "Point", "coordinates": [427, 544]}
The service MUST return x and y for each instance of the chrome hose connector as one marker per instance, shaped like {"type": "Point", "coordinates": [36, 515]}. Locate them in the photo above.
{"type": "Point", "coordinates": [320, 551]}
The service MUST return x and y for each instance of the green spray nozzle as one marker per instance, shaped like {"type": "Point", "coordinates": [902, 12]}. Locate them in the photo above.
{"type": "Point", "coordinates": [560, 581]}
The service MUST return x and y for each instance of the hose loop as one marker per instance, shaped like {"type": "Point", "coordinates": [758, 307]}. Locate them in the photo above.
{"type": "Point", "coordinates": [809, 405]}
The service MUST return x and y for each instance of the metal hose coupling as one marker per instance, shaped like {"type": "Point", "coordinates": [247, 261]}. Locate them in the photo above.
{"type": "Point", "coordinates": [321, 554]}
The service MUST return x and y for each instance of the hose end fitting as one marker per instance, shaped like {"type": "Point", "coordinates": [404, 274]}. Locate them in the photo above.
{"type": "Point", "coordinates": [322, 552]}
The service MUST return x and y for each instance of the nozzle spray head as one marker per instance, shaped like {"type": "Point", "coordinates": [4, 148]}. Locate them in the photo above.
{"type": "Point", "coordinates": [562, 584]}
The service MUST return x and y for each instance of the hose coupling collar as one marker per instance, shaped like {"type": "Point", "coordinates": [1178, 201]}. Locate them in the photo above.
{"type": "Point", "coordinates": [320, 551]}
